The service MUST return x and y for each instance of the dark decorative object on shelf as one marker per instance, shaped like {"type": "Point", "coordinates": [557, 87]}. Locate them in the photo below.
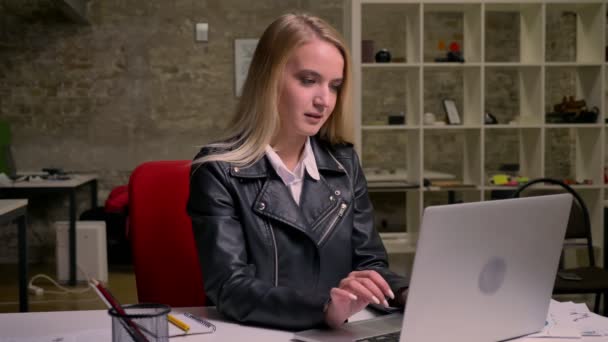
{"type": "Point", "coordinates": [383, 56]}
{"type": "Point", "coordinates": [572, 111]}
{"type": "Point", "coordinates": [489, 119]}
{"type": "Point", "coordinates": [454, 55]}
{"type": "Point", "coordinates": [582, 117]}
{"type": "Point", "coordinates": [367, 51]}
{"type": "Point", "coordinates": [396, 118]}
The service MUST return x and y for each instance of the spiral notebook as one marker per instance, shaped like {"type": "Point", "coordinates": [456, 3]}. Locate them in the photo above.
{"type": "Point", "coordinates": [198, 325]}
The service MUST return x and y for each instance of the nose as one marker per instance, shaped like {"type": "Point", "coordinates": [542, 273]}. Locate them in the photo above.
{"type": "Point", "coordinates": [321, 99]}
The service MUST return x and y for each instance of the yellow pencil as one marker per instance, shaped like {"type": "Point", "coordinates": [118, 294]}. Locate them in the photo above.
{"type": "Point", "coordinates": [185, 327]}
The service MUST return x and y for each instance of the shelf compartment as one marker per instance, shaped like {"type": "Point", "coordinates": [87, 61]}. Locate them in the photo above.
{"type": "Point", "coordinates": [514, 28]}
{"type": "Point", "coordinates": [572, 64]}
{"type": "Point", "coordinates": [584, 21]}
{"type": "Point", "coordinates": [388, 127]}
{"type": "Point", "coordinates": [449, 65]}
{"type": "Point", "coordinates": [400, 243]}
{"type": "Point", "coordinates": [522, 147]}
{"type": "Point", "coordinates": [391, 65]}
{"type": "Point", "coordinates": [400, 157]}
{"type": "Point", "coordinates": [390, 92]}
{"type": "Point", "coordinates": [457, 153]}
{"type": "Point", "coordinates": [463, 85]}
{"type": "Point", "coordinates": [444, 197]}
{"type": "Point", "coordinates": [515, 98]}
{"type": "Point", "coordinates": [582, 82]}
{"type": "Point", "coordinates": [389, 211]}
{"type": "Point", "coordinates": [451, 127]}
{"type": "Point", "coordinates": [510, 126]}
{"type": "Point", "coordinates": [396, 212]}
{"type": "Point", "coordinates": [573, 153]}
{"type": "Point", "coordinates": [391, 26]}
{"type": "Point", "coordinates": [462, 25]}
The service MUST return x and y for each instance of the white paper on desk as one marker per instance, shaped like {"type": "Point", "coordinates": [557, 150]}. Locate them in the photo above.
{"type": "Point", "coordinates": [591, 324]}
{"type": "Point", "coordinates": [195, 327]}
{"type": "Point", "coordinates": [559, 323]}
{"type": "Point", "coordinates": [583, 319]}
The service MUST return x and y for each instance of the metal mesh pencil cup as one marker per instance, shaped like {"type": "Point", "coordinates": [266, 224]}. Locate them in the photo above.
{"type": "Point", "coordinates": [150, 319]}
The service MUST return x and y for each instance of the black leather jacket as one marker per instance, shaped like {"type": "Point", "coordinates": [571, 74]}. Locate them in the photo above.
{"type": "Point", "coordinates": [268, 261]}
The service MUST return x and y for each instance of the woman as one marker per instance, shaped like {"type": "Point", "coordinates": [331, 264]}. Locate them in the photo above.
{"type": "Point", "coordinates": [280, 210]}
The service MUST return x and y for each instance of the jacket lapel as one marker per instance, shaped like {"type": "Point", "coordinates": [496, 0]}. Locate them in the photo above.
{"type": "Point", "coordinates": [275, 201]}
{"type": "Point", "coordinates": [317, 201]}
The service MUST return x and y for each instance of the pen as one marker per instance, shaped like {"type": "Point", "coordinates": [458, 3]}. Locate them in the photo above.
{"type": "Point", "coordinates": [129, 325]}
{"type": "Point", "coordinates": [185, 327]}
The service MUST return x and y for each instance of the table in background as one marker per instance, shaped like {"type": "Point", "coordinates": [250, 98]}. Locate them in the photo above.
{"type": "Point", "coordinates": [15, 211]}
{"type": "Point", "coordinates": [28, 189]}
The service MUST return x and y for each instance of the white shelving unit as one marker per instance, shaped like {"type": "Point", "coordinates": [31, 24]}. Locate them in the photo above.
{"type": "Point", "coordinates": [531, 70]}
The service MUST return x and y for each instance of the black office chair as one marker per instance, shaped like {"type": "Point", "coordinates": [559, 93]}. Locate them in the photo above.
{"type": "Point", "coordinates": [592, 279]}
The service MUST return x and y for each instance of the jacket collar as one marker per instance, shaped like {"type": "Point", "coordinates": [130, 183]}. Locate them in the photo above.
{"type": "Point", "coordinates": [325, 162]}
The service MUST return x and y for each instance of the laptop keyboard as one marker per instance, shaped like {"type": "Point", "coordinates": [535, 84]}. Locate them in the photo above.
{"type": "Point", "coordinates": [390, 337]}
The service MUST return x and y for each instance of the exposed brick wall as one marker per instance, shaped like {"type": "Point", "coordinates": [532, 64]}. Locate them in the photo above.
{"type": "Point", "coordinates": [131, 87]}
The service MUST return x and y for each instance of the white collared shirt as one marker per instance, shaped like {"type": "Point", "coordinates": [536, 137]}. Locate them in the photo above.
{"type": "Point", "coordinates": [294, 180]}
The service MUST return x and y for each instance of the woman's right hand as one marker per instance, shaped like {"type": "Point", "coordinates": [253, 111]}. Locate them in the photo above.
{"type": "Point", "coordinates": [354, 293]}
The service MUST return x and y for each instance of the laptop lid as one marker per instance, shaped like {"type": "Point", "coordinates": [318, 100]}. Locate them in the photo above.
{"type": "Point", "coordinates": [483, 271]}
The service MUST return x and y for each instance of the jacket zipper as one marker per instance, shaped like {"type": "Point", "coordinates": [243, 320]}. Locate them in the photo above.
{"type": "Point", "coordinates": [275, 249]}
{"type": "Point", "coordinates": [321, 220]}
{"type": "Point", "coordinates": [343, 207]}
{"type": "Point", "coordinates": [276, 257]}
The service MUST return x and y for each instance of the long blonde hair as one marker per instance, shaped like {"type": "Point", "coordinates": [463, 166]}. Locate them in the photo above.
{"type": "Point", "coordinates": [256, 120]}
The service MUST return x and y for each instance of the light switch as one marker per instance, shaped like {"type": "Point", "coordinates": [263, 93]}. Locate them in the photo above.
{"type": "Point", "coordinates": [202, 32]}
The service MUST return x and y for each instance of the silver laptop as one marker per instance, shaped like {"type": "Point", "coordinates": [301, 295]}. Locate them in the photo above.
{"type": "Point", "coordinates": [483, 271]}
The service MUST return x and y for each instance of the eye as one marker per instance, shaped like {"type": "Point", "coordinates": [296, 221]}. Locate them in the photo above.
{"type": "Point", "coordinates": [307, 80]}
{"type": "Point", "coordinates": [335, 87]}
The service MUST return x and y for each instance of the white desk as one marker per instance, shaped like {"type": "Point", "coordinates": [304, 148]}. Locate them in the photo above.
{"type": "Point", "coordinates": [96, 326]}
{"type": "Point", "coordinates": [32, 188]}
{"type": "Point", "coordinates": [15, 210]}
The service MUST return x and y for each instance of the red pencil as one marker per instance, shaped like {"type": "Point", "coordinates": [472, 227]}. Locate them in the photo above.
{"type": "Point", "coordinates": [130, 326]}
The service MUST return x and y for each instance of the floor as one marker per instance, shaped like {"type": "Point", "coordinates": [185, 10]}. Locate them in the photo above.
{"type": "Point", "coordinates": [121, 283]}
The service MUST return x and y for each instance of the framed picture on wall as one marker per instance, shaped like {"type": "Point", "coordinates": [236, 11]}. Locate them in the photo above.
{"type": "Point", "coordinates": [451, 112]}
{"type": "Point", "coordinates": [243, 53]}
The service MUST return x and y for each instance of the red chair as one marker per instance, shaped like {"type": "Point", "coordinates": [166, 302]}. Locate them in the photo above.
{"type": "Point", "coordinates": [165, 258]}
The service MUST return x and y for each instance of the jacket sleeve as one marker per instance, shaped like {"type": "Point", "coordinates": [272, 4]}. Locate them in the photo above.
{"type": "Point", "coordinates": [230, 280]}
{"type": "Point", "coordinates": [368, 249]}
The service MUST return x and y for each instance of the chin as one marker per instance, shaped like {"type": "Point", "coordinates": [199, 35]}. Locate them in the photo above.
{"type": "Point", "coordinates": [309, 132]}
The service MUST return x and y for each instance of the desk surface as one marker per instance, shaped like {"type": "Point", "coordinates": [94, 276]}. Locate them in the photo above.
{"type": "Point", "coordinates": [75, 181]}
{"type": "Point", "coordinates": [10, 205]}
{"type": "Point", "coordinates": [95, 325]}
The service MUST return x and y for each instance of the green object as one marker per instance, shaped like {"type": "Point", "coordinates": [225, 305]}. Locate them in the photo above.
{"type": "Point", "coordinates": [5, 143]}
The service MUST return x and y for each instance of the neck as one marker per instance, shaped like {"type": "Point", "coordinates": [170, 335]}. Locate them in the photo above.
{"type": "Point", "coordinates": [289, 149]}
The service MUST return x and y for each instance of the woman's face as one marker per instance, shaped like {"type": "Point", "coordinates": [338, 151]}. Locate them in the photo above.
{"type": "Point", "coordinates": [309, 88]}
